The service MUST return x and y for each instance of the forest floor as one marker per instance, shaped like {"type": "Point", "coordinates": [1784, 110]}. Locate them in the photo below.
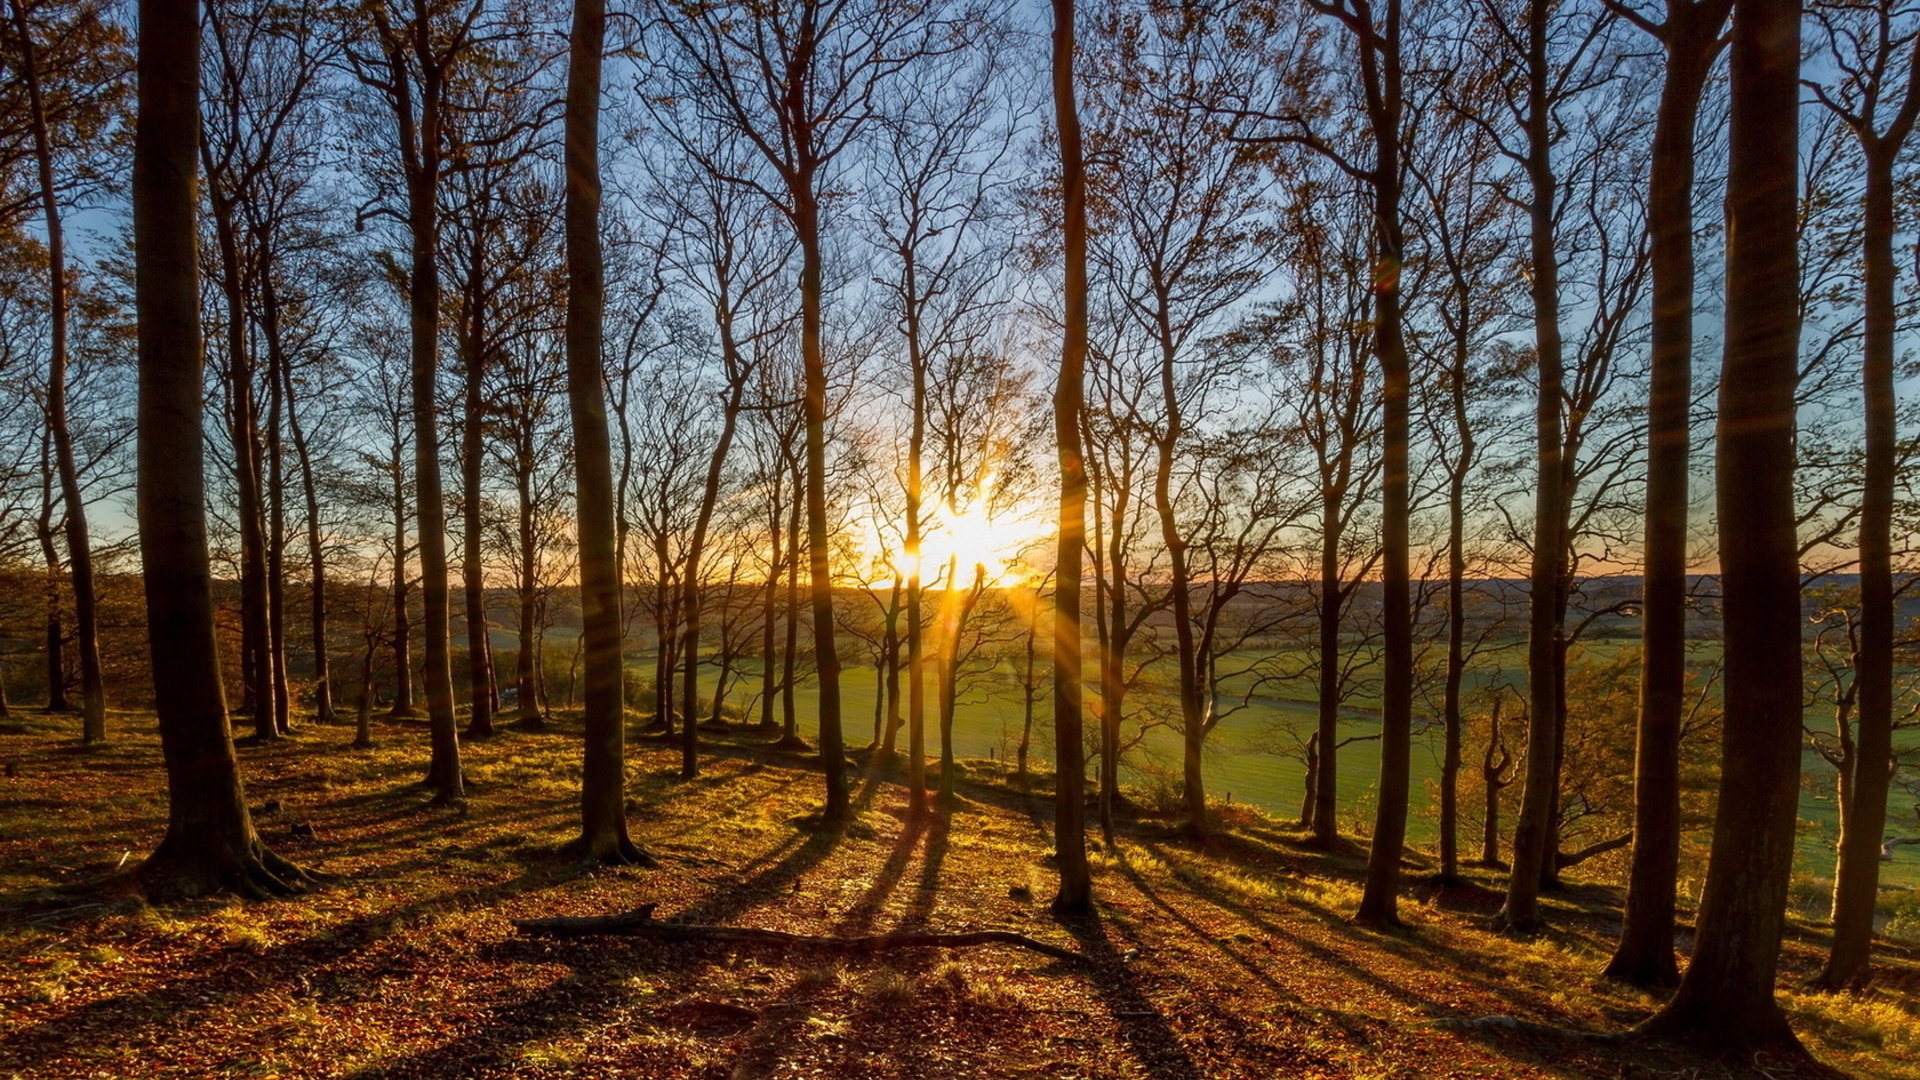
{"type": "Point", "coordinates": [1232, 958]}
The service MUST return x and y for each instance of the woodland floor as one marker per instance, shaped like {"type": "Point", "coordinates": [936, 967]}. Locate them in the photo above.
{"type": "Point", "coordinates": [1231, 959]}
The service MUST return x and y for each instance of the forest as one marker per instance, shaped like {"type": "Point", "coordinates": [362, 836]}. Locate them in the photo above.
{"type": "Point", "coordinates": [960, 538]}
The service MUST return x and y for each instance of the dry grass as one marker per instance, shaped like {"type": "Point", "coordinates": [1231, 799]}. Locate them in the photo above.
{"type": "Point", "coordinates": [1230, 959]}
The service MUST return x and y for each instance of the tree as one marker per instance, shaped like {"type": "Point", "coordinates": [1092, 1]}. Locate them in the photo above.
{"type": "Point", "coordinates": [939, 190]}
{"type": "Point", "coordinates": [210, 844]}
{"type": "Point", "coordinates": [722, 249]}
{"type": "Point", "coordinates": [1184, 238]}
{"type": "Point", "coordinates": [497, 212]}
{"type": "Point", "coordinates": [603, 814]}
{"type": "Point", "coordinates": [83, 109]}
{"type": "Point", "coordinates": [799, 83]}
{"type": "Point", "coordinates": [1069, 398]}
{"type": "Point", "coordinates": [1378, 84]}
{"type": "Point", "coordinates": [1872, 48]}
{"type": "Point", "coordinates": [1691, 35]}
{"type": "Point", "coordinates": [409, 60]}
{"type": "Point", "coordinates": [1726, 997]}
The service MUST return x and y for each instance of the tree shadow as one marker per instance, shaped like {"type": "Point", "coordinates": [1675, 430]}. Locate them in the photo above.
{"type": "Point", "coordinates": [1148, 1035]}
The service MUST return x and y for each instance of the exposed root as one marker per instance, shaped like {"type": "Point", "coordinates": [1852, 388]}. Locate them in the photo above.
{"type": "Point", "coordinates": [619, 851]}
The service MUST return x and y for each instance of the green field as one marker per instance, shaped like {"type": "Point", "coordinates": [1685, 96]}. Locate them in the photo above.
{"type": "Point", "coordinates": [1243, 763]}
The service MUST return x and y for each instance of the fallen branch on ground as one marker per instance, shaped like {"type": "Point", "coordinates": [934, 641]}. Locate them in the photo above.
{"type": "Point", "coordinates": [641, 923]}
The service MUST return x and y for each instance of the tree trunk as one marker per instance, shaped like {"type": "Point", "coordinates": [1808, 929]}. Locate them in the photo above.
{"type": "Point", "coordinates": [430, 508]}
{"type": "Point", "coordinates": [317, 562]}
{"type": "Point", "coordinates": [257, 668]}
{"type": "Point", "coordinates": [56, 634]}
{"type": "Point", "coordinates": [826, 657]}
{"type": "Point", "coordinates": [603, 817]}
{"type": "Point", "coordinates": [276, 507]}
{"type": "Point", "coordinates": [790, 646]}
{"type": "Point", "coordinates": [93, 708]}
{"type": "Point", "coordinates": [210, 844]}
{"type": "Point", "coordinates": [1379, 900]}
{"type": "Point", "coordinates": [1533, 833]}
{"type": "Point", "coordinates": [1726, 998]}
{"type": "Point", "coordinates": [916, 640]}
{"type": "Point", "coordinates": [1192, 720]}
{"type": "Point", "coordinates": [891, 650]}
{"type": "Point", "coordinates": [1323, 763]}
{"type": "Point", "coordinates": [473, 572]}
{"type": "Point", "coordinates": [1857, 875]}
{"type": "Point", "coordinates": [1645, 954]}
{"type": "Point", "coordinates": [402, 628]}
{"type": "Point", "coordinates": [696, 545]}
{"type": "Point", "coordinates": [527, 662]}
{"type": "Point", "coordinates": [944, 662]}
{"type": "Point", "coordinates": [1069, 689]}
{"type": "Point", "coordinates": [769, 612]}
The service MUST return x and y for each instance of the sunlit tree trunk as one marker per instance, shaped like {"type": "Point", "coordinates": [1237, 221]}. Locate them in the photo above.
{"type": "Point", "coordinates": [1379, 900]}
{"type": "Point", "coordinates": [1726, 997]}
{"type": "Point", "coordinates": [1533, 839]}
{"type": "Point", "coordinates": [1644, 956]}
{"type": "Point", "coordinates": [603, 817]}
{"type": "Point", "coordinates": [210, 843]}
{"type": "Point", "coordinates": [1857, 875]}
{"type": "Point", "coordinates": [1070, 841]}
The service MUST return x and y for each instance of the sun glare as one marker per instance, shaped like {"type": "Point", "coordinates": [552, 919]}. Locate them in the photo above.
{"type": "Point", "coordinates": [1000, 543]}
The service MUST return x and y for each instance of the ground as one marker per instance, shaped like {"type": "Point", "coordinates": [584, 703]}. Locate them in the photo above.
{"type": "Point", "coordinates": [1232, 958]}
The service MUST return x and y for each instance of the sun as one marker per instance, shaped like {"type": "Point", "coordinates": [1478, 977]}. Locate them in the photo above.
{"type": "Point", "coordinates": [979, 539]}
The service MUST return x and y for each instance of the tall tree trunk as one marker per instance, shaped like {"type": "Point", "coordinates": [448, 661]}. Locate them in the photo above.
{"type": "Point", "coordinates": [916, 641]}
{"type": "Point", "coordinates": [1453, 719]}
{"type": "Point", "coordinates": [210, 844]}
{"type": "Point", "coordinates": [769, 612]}
{"type": "Point", "coordinates": [243, 432]}
{"type": "Point", "coordinates": [276, 507]}
{"type": "Point", "coordinates": [316, 560]}
{"type": "Point", "coordinates": [1325, 816]}
{"type": "Point", "coordinates": [1069, 689]}
{"type": "Point", "coordinates": [527, 662]}
{"type": "Point", "coordinates": [1534, 834]}
{"type": "Point", "coordinates": [93, 707]}
{"type": "Point", "coordinates": [790, 644]}
{"type": "Point", "coordinates": [402, 624]}
{"type": "Point", "coordinates": [943, 666]}
{"type": "Point", "coordinates": [1645, 954]}
{"type": "Point", "coordinates": [1726, 998]}
{"type": "Point", "coordinates": [1379, 900]}
{"type": "Point", "coordinates": [473, 571]}
{"type": "Point", "coordinates": [690, 599]}
{"type": "Point", "coordinates": [603, 817]}
{"type": "Point", "coordinates": [1493, 778]}
{"type": "Point", "coordinates": [1856, 885]}
{"type": "Point", "coordinates": [891, 651]}
{"type": "Point", "coordinates": [56, 633]}
{"type": "Point", "coordinates": [1113, 656]}
{"type": "Point", "coordinates": [1192, 720]}
{"type": "Point", "coordinates": [826, 657]}
{"type": "Point", "coordinates": [430, 506]}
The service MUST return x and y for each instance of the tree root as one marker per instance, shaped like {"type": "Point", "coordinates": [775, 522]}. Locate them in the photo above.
{"type": "Point", "coordinates": [255, 873]}
{"type": "Point", "coordinates": [623, 852]}
{"type": "Point", "coordinates": [641, 923]}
